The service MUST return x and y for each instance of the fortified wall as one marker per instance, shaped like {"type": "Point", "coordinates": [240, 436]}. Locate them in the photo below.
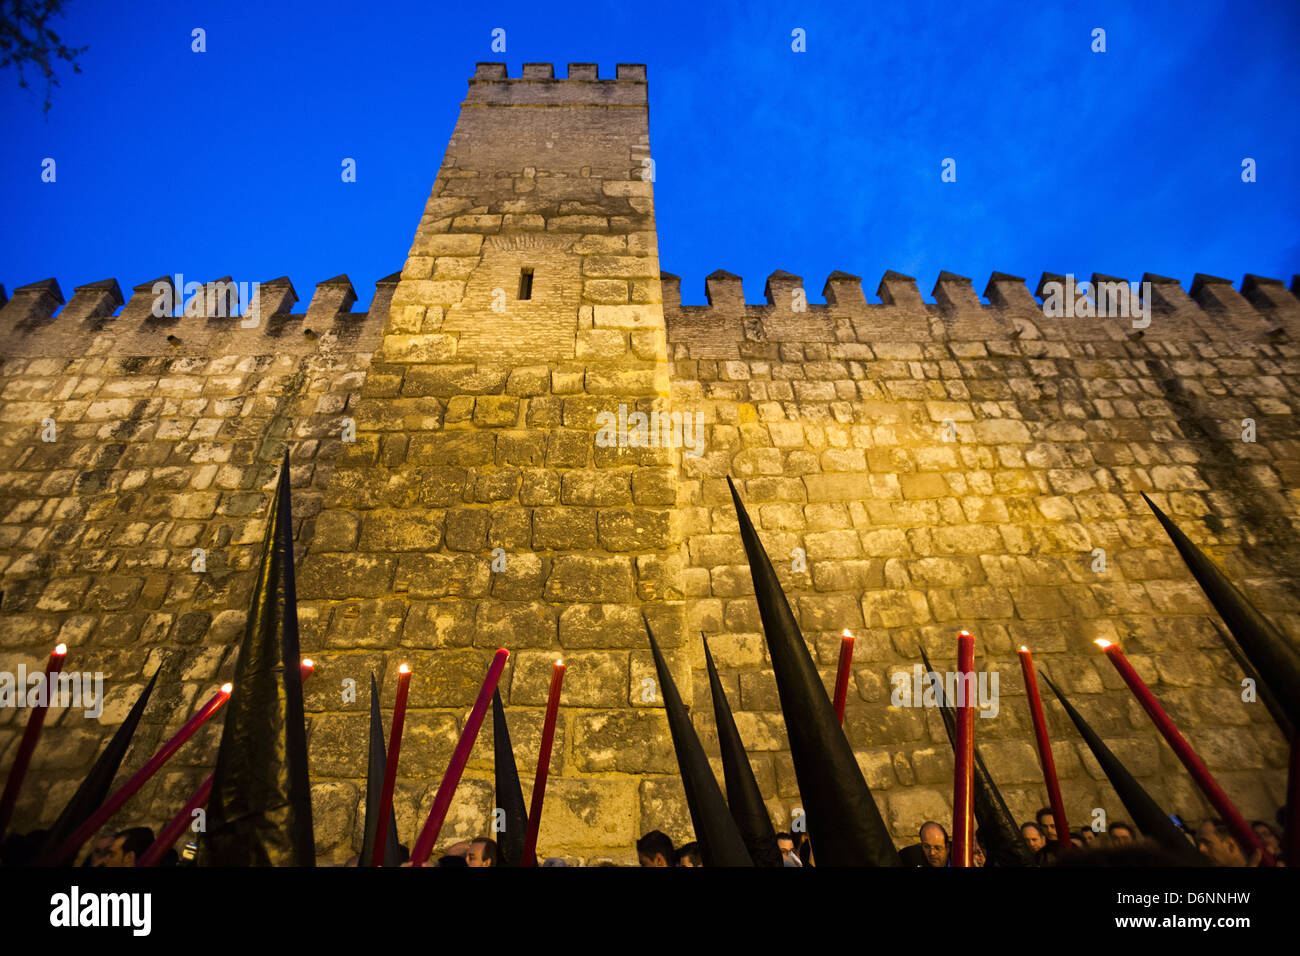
{"type": "Point", "coordinates": [913, 469]}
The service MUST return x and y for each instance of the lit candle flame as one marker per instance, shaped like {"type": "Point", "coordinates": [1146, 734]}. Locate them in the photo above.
{"type": "Point", "coordinates": [559, 662]}
{"type": "Point", "coordinates": [847, 633]}
{"type": "Point", "coordinates": [963, 633]}
{"type": "Point", "coordinates": [308, 663]}
{"type": "Point", "coordinates": [1023, 649]}
{"type": "Point", "coordinates": [404, 669]}
{"type": "Point", "coordinates": [61, 650]}
{"type": "Point", "coordinates": [227, 688]}
{"type": "Point", "coordinates": [1102, 643]}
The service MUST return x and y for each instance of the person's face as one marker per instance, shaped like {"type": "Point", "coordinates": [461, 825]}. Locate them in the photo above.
{"type": "Point", "coordinates": [1087, 836]}
{"type": "Point", "coordinates": [116, 856]}
{"type": "Point", "coordinates": [785, 846]}
{"type": "Point", "coordinates": [474, 855]}
{"type": "Point", "coordinates": [1269, 839]}
{"type": "Point", "coordinates": [935, 847]}
{"type": "Point", "coordinates": [1048, 825]}
{"type": "Point", "coordinates": [1221, 849]}
{"type": "Point", "coordinates": [686, 861]}
{"type": "Point", "coordinates": [977, 855]}
{"type": "Point", "coordinates": [99, 849]}
{"type": "Point", "coordinates": [656, 860]}
{"type": "Point", "coordinates": [1121, 837]}
{"type": "Point", "coordinates": [1034, 837]}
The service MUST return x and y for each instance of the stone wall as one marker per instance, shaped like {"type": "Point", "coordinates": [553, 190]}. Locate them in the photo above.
{"type": "Point", "coordinates": [940, 465]}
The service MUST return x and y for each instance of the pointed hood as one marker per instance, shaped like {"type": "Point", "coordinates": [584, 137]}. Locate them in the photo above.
{"type": "Point", "coordinates": [510, 795]}
{"type": "Point", "coordinates": [836, 799]}
{"type": "Point", "coordinates": [1146, 813]}
{"type": "Point", "coordinates": [92, 793]}
{"type": "Point", "coordinates": [1003, 843]}
{"type": "Point", "coordinates": [260, 810]}
{"type": "Point", "coordinates": [720, 841]}
{"type": "Point", "coordinates": [1265, 694]}
{"type": "Point", "coordinates": [375, 766]}
{"type": "Point", "coordinates": [1272, 656]}
{"type": "Point", "coordinates": [743, 796]}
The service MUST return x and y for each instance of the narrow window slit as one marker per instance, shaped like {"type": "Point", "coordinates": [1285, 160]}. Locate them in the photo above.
{"type": "Point", "coordinates": [526, 284]}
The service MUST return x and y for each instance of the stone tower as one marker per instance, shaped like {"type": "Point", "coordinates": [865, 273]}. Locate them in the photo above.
{"type": "Point", "coordinates": [476, 508]}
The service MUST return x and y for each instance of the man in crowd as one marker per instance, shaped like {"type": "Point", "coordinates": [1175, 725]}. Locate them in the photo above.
{"type": "Point", "coordinates": [655, 849]}
{"type": "Point", "coordinates": [1120, 834]}
{"type": "Point", "coordinates": [1046, 824]}
{"type": "Point", "coordinates": [1087, 836]}
{"type": "Point", "coordinates": [689, 855]}
{"type": "Point", "coordinates": [1215, 840]}
{"type": "Point", "coordinates": [1268, 836]}
{"type": "Point", "coordinates": [482, 852]}
{"type": "Point", "coordinates": [1033, 836]}
{"type": "Point", "coordinates": [127, 846]}
{"type": "Point", "coordinates": [934, 843]}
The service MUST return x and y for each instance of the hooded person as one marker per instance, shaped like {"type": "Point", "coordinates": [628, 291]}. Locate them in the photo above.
{"type": "Point", "coordinates": [1146, 813]}
{"type": "Point", "coordinates": [721, 843]}
{"type": "Point", "coordinates": [743, 796]}
{"type": "Point", "coordinates": [93, 790]}
{"type": "Point", "coordinates": [259, 813]}
{"type": "Point", "coordinates": [375, 765]}
{"type": "Point", "coordinates": [844, 824]}
{"type": "Point", "coordinates": [509, 794]}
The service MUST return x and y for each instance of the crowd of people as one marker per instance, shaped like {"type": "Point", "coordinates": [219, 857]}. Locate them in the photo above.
{"type": "Point", "coordinates": [1212, 838]}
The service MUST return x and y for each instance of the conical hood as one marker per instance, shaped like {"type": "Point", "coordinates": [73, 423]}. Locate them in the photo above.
{"type": "Point", "coordinates": [375, 765]}
{"type": "Point", "coordinates": [1272, 656]}
{"type": "Point", "coordinates": [510, 795]}
{"type": "Point", "coordinates": [260, 810]}
{"type": "Point", "coordinates": [1265, 695]}
{"type": "Point", "coordinates": [92, 793]}
{"type": "Point", "coordinates": [1146, 813]}
{"type": "Point", "coordinates": [836, 799]}
{"type": "Point", "coordinates": [743, 796]}
{"type": "Point", "coordinates": [1004, 845]}
{"type": "Point", "coordinates": [720, 841]}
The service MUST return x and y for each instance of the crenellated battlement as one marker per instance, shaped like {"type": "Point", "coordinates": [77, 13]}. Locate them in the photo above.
{"type": "Point", "coordinates": [1099, 306]}
{"type": "Point", "coordinates": [537, 85]}
{"type": "Point", "coordinates": [158, 317]}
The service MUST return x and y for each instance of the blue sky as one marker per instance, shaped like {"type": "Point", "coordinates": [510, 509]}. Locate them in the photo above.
{"type": "Point", "coordinates": [228, 162]}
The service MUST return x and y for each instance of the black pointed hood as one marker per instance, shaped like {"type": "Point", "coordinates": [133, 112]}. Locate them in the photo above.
{"type": "Point", "coordinates": [1146, 813]}
{"type": "Point", "coordinates": [375, 765]}
{"type": "Point", "coordinates": [720, 841]}
{"type": "Point", "coordinates": [93, 791]}
{"type": "Point", "coordinates": [1004, 844]}
{"type": "Point", "coordinates": [510, 795]}
{"type": "Point", "coordinates": [836, 799]}
{"type": "Point", "coordinates": [1268, 651]}
{"type": "Point", "coordinates": [744, 798]}
{"type": "Point", "coordinates": [1265, 694]}
{"type": "Point", "coordinates": [260, 810]}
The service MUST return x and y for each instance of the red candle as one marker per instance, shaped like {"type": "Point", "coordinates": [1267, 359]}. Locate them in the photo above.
{"type": "Point", "coordinates": [1063, 843]}
{"type": "Point", "coordinates": [140, 777]}
{"type": "Point", "coordinates": [31, 733]}
{"type": "Point", "coordinates": [390, 766]}
{"type": "Point", "coordinates": [447, 789]}
{"type": "Point", "coordinates": [543, 765]}
{"type": "Point", "coordinates": [963, 794]}
{"type": "Point", "coordinates": [842, 674]}
{"type": "Point", "coordinates": [1200, 773]}
{"type": "Point", "coordinates": [171, 833]}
